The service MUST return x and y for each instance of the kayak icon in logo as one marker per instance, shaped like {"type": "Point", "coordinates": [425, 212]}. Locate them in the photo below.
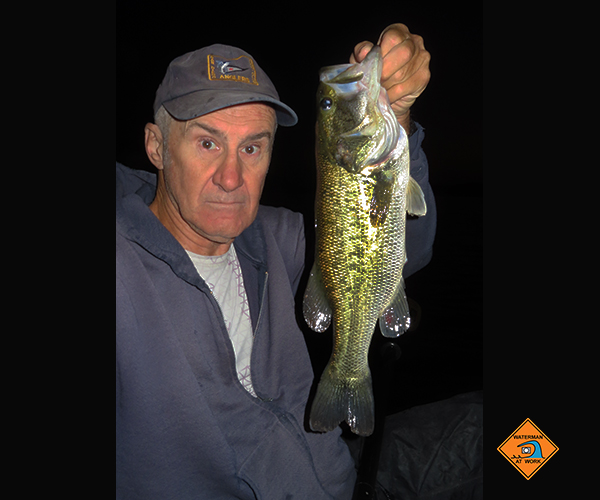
{"type": "Point", "coordinates": [240, 69]}
{"type": "Point", "coordinates": [227, 67]}
{"type": "Point", "coordinates": [537, 449]}
{"type": "Point", "coordinates": [528, 448]}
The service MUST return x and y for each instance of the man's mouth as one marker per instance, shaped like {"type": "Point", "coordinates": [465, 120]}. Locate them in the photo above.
{"type": "Point", "coordinates": [225, 203]}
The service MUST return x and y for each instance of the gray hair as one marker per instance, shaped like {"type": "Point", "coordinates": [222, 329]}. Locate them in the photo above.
{"type": "Point", "coordinates": [163, 120]}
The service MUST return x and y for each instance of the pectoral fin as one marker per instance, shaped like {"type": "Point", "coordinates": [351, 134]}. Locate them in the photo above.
{"type": "Point", "coordinates": [315, 306]}
{"type": "Point", "coordinates": [395, 320]}
{"type": "Point", "coordinates": [382, 199]}
{"type": "Point", "coordinates": [415, 199]}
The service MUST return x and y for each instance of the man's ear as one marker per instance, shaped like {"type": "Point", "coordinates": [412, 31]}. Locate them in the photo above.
{"type": "Point", "coordinates": [154, 145]}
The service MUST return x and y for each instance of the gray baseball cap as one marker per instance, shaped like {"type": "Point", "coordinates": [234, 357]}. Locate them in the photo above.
{"type": "Point", "coordinates": [217, 77]}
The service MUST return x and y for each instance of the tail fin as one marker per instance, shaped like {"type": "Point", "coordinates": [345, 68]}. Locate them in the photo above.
{"type": "Point", "coordinates": [338, 400]}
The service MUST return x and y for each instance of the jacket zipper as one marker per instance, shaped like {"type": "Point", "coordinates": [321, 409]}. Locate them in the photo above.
{"type": "Point", "coordinates": [260, 311]}
{"type": "Point", "coordinates": [262, 300]}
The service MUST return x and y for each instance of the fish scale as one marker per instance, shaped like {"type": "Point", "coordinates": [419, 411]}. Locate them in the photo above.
{"type": "Point", "coordinates": [363, 192]}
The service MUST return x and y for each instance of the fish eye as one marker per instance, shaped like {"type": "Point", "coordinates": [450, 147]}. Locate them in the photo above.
{"type": "Point", "coordinates": [326, 103]}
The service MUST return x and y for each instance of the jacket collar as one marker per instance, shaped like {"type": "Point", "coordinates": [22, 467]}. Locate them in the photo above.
{"type": "Point", "coordinates": [135, 220]}
{"type": "Point", "coordinates": [251, 243]}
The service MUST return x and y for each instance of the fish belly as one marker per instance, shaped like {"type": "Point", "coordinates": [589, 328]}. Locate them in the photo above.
{"type": "Point", "coordinates": [361, 267]}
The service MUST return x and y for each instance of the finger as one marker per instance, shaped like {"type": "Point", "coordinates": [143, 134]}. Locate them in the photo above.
{"type": "Point", "coordinates": [409, 90]}
{"type": "Point", "coordinates": [404, 60]}
{"type": "Point", "coordinates": [391, 36]}
{"type": "Point", "coordinates": [395, 61]}
{"type": "Point", "coordinates": [360, 52]}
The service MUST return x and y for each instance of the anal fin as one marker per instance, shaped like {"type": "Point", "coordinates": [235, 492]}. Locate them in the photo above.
{"type": "Point", "coordinates": [395, 320]}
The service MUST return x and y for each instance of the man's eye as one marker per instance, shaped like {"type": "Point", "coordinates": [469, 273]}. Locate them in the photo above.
{"type": "Point", "coordinates": [207, 144]}
{"type": "Point", "coordinates": [250, 150]}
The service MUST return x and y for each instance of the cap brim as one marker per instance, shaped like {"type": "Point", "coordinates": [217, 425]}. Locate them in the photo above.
{"type": "Point", "coordinates": [203, 102]}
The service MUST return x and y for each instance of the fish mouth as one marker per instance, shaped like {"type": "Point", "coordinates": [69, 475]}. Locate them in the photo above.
{"type": "Point", "coordinates": [365, 77]}
{"type": "Point", "coordinates": [348, 74]}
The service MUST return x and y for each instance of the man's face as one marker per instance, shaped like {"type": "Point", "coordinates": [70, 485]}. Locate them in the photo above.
{"type": "Point", "coordinates": [216, 170]}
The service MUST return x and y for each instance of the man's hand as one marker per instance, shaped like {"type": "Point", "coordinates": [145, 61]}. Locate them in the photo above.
{"type": "Point", "coordinates": [405, 71]}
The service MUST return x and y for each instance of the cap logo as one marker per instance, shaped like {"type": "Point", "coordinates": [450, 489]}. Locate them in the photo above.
{"type": "Point", "coordinates": [240, 69]}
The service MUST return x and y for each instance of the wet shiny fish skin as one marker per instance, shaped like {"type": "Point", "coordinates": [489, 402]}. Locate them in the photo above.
{"type": "Point", "coordinates": [360, 219]}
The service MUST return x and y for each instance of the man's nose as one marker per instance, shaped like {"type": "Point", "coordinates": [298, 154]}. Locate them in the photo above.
{"type": "Point", "coordinates": [228, 175]}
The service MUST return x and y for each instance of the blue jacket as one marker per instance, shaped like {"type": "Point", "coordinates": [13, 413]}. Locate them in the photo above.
{"type": "Point", "coordinates": [185, 426]}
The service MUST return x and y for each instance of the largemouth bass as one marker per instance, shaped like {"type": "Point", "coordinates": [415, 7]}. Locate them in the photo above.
{"type": "Point", "coordinates": [363, 193]}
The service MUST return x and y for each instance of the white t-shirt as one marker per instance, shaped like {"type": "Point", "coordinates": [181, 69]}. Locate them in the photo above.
{"type": "Point", "coordinates": [223, 275]}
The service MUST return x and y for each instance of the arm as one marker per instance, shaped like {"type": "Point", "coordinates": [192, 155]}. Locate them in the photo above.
{"type": "Point", "coordinates": [420, 231]}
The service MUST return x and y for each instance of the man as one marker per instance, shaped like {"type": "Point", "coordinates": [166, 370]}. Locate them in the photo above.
{"type": "Point", "coordinates": [213, 375]}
